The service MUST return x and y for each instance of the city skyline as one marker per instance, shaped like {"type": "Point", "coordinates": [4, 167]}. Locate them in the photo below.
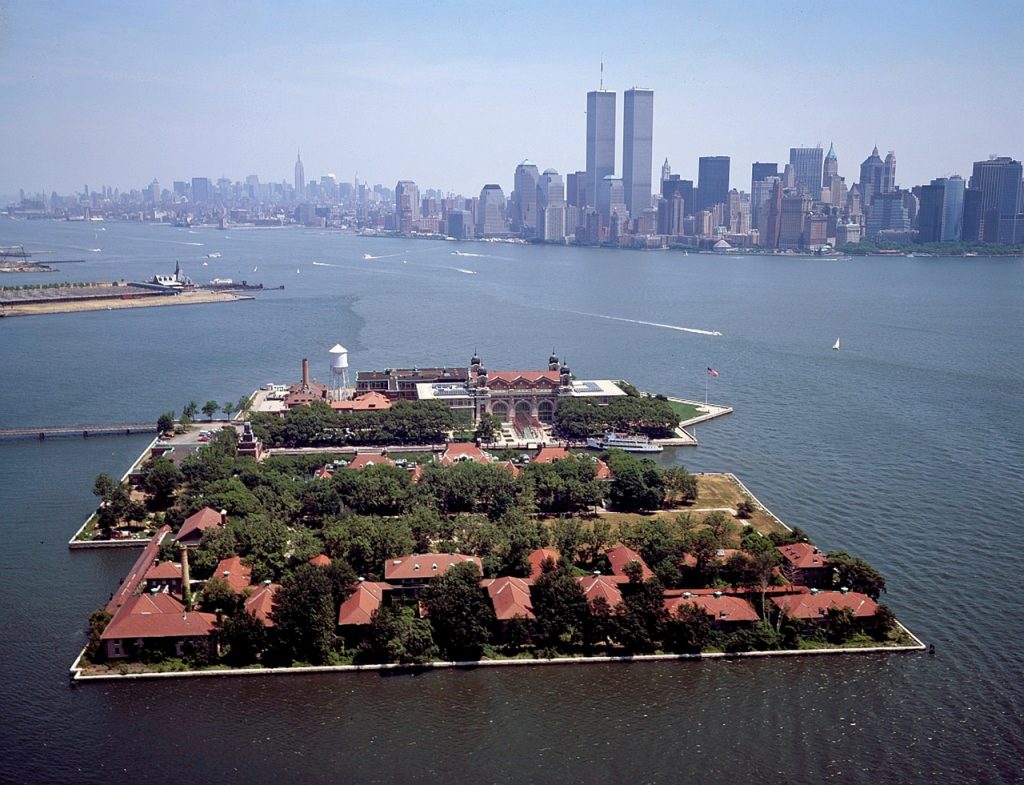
{"type": "Point", "coordinates": [125, 95]}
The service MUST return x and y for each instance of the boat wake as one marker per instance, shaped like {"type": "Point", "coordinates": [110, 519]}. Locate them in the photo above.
{"type": "Point", "coordinates": [466, 253]}
{"type": "Point", "coordinates": [323, 264]}
{"type": "Point", "coordinates": [694, 330]}
{"type": "Point", "coordinates": [464, 270]}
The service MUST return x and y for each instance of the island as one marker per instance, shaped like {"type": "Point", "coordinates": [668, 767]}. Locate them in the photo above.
{"type": "Point", "coordinates": [369, 536]}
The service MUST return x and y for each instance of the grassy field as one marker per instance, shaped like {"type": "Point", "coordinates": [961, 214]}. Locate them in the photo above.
{"type": "Point", "coordinates": [685, 411]}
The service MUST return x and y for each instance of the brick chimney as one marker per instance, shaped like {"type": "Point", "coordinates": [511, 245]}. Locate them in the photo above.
{"type": "Point", "coordinates": [186, 580]}
{"type": "Point", "coordinates": [223, 517]}
{"type": "Point", "coordinates": [305, 372]}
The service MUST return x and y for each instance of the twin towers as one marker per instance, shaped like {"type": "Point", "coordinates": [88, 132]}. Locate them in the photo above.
{"type": "Point", "coordinates": [637, 148]}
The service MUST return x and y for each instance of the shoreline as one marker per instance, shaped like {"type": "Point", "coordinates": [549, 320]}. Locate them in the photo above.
{"type": "Point", "coordinates": [77, 675]}
{"type": "Point", "coordinates": [190, 298]}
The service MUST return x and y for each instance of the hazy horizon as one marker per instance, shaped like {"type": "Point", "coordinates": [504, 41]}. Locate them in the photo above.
{"type": "Point", "coordinates": [452, 98]}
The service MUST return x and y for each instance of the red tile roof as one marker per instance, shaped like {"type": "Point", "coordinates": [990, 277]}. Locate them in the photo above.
{"type": "Point", "coordinates": [237, 575]}
{"type": "Point", "coordinates": [537, 558]}
{"type": "Point", "coordinates": [323, 473]}
{"type": "Point", "coordinates": [369, 459]}
{"type": "Point", "coordinates": [620, 556]}
{"type": "Point", "coordinates": [606, 586]}
{"type": "Point", "coordinates": [261, 602]}
{"type": "Point", "coordinates": [464, 451]}
{"type": "Point", "coordinates": [358, 608]}
{"type": "Point", "coordinates": [164, 570]}
{"type": "Point", "coordinates": [416, 472]}
{"type": "Point", "coordinates": [138, 571]}
{"type": "Point", "coordinates": [812, 605]}
{"type": "Point", "coordinates": [512, 468]}
{"type": "Point", "coordinates": [529, 378]}
{"type": "Point", "coordinates": [423, 566]}
{"type": "Point", "coordinates": [603, 472]}
{"type": "Point", "coordinates": [194, 526]}
{"type": "Point", "coordinates": [725, 608]}
{"type": "Point", "coordinates": [157, 615]}
{"type": "Point", "coordinates": [550, 455]}
{"type": "Point", "coordinates": [363, 403]}
{"type": "Point", "coordinates": [803, 555]}
{"type": "Point", "coordinates": [510, 598]}
{"type": "Point", "coordinates": [321, 560]}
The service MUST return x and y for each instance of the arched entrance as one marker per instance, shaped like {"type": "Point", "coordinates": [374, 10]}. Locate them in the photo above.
{"type": "Point", "coordinates": [546, 411]}
{"type": "Point", "coordinates": [524, 409]}
{"type": "Point", "coordinates": [500, 409]}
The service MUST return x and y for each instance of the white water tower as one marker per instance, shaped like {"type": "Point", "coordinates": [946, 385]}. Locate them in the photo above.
{"type": "Point", "coordinates": [339, 372]}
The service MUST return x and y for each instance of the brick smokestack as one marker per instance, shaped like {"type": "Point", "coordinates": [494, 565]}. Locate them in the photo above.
{"type": "Point", "coordinates": [186, 588]}
{"type": "Point", "coordinates": [305, 372]}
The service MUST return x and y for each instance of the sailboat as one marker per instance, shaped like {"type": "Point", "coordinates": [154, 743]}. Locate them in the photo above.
{"type": "Point", "coordinates": [835, 346]}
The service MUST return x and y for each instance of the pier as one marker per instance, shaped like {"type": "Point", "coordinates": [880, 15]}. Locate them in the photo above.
{"type": "Point", "coordinates": [84, 431]}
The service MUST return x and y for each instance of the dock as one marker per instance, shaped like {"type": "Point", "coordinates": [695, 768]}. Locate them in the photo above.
{"type": "Point", "coordinates": [83, 431]}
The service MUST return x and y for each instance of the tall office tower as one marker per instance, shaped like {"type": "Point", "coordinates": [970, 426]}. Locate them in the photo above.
{"type": "Point", "coordinates": [807, 163]}
{"type": "Point", "coordinates": [460, 224]}
{"type": "Point", "coordinates": [600, 141]}
{"type": "Point", "coordinates": [762, 171]}
{"type": "Point", "coordinates": [1002, 199]}
{"type": "Point", "coordinates": [611, 200]}
{"type": "Point", "coordinates": [153, 192]}
{"type": "Point", "coordinates": [739, 212]}
{"type": "Point", "coordinates": [670, 215]}
{"type": "Point", "coordinates": [676, 185]}
{"type": "Point", "coordinates": [830, 168]}
{"type": "Point", "coordinates": [888, 213]}
{"type": "Point", "coordinates": [712, 181]}
{"type": "Point", "coordinates": [575, 187]}
{"type": "Point", "coordinates": [792, 220]}
{"type": "Point", "coordinates": [637, 148]}
{"type": "Point", "coordinates": [180, 189]}
{"type": "Point", "coordinates": [871, 178]}
{"type": "Point", "coordinates": [934, 212]}
{"type": "Point", "coordinates": [972, 215]}
{"type": "Point", "coordinates": [889, 173]}
{"type": "Point", "coordinates": [490, 219]}
{"type": "Point", "coordinates": [407, 205]}
{"type": "Point", "coordinates": [854, 203]}
{"type": "Point", "coordinates": [789, 177]}
{"type": "Point", "coordinates": [666, 171]}
{"type": "Point", "coordinates": [300, 178]}
{"type": "Point", "coordinates": [201, 190]}
{"type": "Point", "coordinates": [773, 215]}
{"type": "Point", "coordinates": [524, 198]}
{"type": "Point", "coordinates": [551, 207]}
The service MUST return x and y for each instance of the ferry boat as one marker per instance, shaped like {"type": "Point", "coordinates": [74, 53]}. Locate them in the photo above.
{"type": "Point", "coordinates": [624, 441]}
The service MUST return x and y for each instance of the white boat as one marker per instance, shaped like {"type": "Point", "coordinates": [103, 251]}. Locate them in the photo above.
{"type": "Point", "coordinates": [214, 255]}
{"type": "Point", "coordinates": [624, 441]}
{"type": "Point", "coordinates": [835, 346]}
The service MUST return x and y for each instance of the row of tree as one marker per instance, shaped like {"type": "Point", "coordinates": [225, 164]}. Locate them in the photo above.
{"type": "Point", "coordinates": [581, 418]}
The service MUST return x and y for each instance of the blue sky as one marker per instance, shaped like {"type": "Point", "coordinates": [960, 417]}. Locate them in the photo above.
{"type": "Point", "coordinates": [454, 94]}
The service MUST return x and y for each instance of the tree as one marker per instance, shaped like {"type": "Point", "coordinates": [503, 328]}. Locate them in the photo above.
{"type": "Point", "coordinates": [165, 422]}
{"type": "Point", "coordinates": [560, 608]}
{"type": "Point", "coordinates": [303, 616]}
{"type": "Point", "coordinates": [488, 427]}
{"type": "Point", "coordinates": [680, 485]}
{"type": "Point", "coordinates": [745, 509]}
{"type": "Point", "coordinates": [161, 481]}
{"type": "Point", "coordinates": [244, 404]}
{"type": "Point", "coordinates": [103, 486]}
{"type": "Point", "coordinates": [722, 527]}
{"type": "Point", "coordinates": [228, 408]}
{"type": "Point", "coordinates": [188, 411]}
{"type": "Point", "coordinates": [244, 636]}
{"type": "Point", "coordinates": [218, 596]}
{"type": "Point", "coordinates": [640, 619]}
{"type": "Point", "coordinates": [637, 485]}
{"type": "Point", "coordinates": [397, 635]}
{"type": "Point", "coordinates": [459, 614]}
{"type": "Point", "coordinates": [688, 630]}
{"type": "Point", "coordinates": [210, 408]}
{"type": "Point", "coordinates": [98, 621]}
{"type": "Point", "coordinates": [855, 574]}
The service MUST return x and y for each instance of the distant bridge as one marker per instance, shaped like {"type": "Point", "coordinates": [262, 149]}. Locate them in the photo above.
{"type": "Point", "coordinates": [85, 431]}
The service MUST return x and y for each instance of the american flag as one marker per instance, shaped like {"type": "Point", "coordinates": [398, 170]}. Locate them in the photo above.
{"type": "Point", "coordinates": [712, 372]}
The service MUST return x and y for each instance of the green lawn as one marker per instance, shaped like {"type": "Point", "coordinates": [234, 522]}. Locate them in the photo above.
{"type": "Point", "coordinates": [685, 411]}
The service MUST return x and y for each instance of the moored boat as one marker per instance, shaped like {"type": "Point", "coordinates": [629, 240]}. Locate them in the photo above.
{"type": "Point", "coordinates": [624, 441]}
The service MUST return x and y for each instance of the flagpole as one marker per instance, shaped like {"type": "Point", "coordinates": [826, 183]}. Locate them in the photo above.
{"type": "Point", "coordinates": [706, 377]}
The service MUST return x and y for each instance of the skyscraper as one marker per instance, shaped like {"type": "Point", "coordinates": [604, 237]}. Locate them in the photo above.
{"type": "Point", "coordinates": [637, 148]}
{"type": "Point", "coordinates": [762, 171]}
{"type": "Point", "coordinates": [600, 140]}
{"type": "Point", "coordinates": [490, 220]}
{"type": "Point", "coordinates": [871, 178]}
{"type": "Point", "coordinates": [676, 185]}
{"type": "Point", "coordinates": [551, 207]}
{"type": "Point", "coordinates": [524, 198]}
{"type": "Point", "coordinates": [889, 173]}
{"type": "Point", "coordinates": [201, 190]}
{"type": "Point", "coordinates": [611, 199]}
{"type": "Point", "coordinates": [940, 216]}
{"type": "Point", "coordinates": [830, 168]}
{"type": "Point", "coordinates": [761, 188]}
{"type": "Point", "coordinates": [407, 205]}
{"type": "Point", "coordinates": [1002, 199]}
{"type": "Point", "coordinates": [712, 181]}
{"type": "Point", "coordinates": [666, 170]}
{"type": "Point", "coordinates": [807, 165]}
{"type": "Point", "coordinates": [300, 178]}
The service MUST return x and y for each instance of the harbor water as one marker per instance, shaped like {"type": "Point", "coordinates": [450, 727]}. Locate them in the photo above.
{"type": "Point", "coordinates": [904, 447]}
